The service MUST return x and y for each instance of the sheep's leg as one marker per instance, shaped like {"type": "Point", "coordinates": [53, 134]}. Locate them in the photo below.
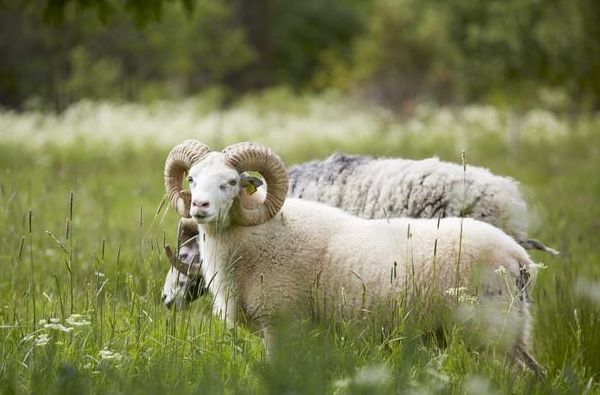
{"type": "Point", "coordinates": [527, 361]}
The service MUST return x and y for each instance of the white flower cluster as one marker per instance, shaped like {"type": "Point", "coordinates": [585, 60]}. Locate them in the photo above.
{"type": "Point", "coordinates": [106, 354]}
{"type": "Point", "coordinates": [501, 270]}
{"type": "Point", "coordinates": [39, 340]}
{"type": "Point", "coordinates": [54, 323]}
{"type": "Point", "coordinates": [74, 321]}
{"type": "Point", "coordinates": [462, 294]}
{"type": "Point", "coordinates": [78, 320]}
{"type": "Point", "coordinates": [272, 120]}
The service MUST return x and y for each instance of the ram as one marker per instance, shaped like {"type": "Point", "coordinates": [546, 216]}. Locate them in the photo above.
{"type": "Point", "coordinates": [295, 256]}
{"type": "Point", "coordinates": [388, 188]}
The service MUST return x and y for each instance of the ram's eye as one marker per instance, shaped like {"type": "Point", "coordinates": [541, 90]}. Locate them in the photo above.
{"type": "Point", "coordinates": [190, 179]}
{"type": "Point", "coordinates": [232, 182]}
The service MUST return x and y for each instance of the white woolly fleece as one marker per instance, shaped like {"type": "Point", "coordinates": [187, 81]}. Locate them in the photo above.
{"type": "Point", "coordinates": [390, 188]}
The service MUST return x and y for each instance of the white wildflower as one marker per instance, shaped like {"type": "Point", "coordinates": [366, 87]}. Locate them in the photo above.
{"type": "Point", "coordinates": [539, 266]}
{"type": "Point", "coordinates": [106, 354]}
{"type": "Point", "coordinates": [99, 274]}
{"type": "Point", "coordinates": [501, 270]}
{"type": "Point", "coordinates": [56, 325]}
{"type": "Point", "coordinates": [59, 327]}
{"type": "Point", "coordinates": [78, 320]}
{"type": "Point", "coordinates": [462, 294]}
{"type": "Point", "coordinates": [42, 340]}
{"type": "Point", "coordinates": [455, 291]}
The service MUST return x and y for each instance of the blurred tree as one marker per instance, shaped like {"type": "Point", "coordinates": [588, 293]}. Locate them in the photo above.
{"type": "Point", "coordinates": [58, 63]}
{"type": "Point", "coordinates": [143, 11]}
{"type": "Point", "coordinates": [166, 50]}
{"type": "Point", "coordinates": [404, 54]}
{"type": "Point", "coordinates": [304, 34]}
{"type": "Point", "coordinates": [291, 39]}
{"type": "Point", "coordinates": [92, 79]}
{"type": "Point", "coordinates": [510, 52]}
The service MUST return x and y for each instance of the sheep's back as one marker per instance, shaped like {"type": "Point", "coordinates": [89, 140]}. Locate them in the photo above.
{"type": "Point", "coordinates": [411, 257]}
{"type": "Point", "coordinates": [389, 188]}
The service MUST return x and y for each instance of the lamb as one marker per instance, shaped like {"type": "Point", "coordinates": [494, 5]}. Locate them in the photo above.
{"type": "Point", "coordinates": [389, 188]}
{"type": "Point", "coordinates": [286, 255]}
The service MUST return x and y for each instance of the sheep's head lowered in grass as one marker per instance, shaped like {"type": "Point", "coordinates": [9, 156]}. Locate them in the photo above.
{"type": "Point", "coordinates": [221, 192]}
{"type": "Point", "coordinates": [184, 283]}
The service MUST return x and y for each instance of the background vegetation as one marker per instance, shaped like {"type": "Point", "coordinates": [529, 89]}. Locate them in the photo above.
{"type": "Point", "coordinates": [516, 53]}
{"type": "Point", "coordinates": [94, 94]}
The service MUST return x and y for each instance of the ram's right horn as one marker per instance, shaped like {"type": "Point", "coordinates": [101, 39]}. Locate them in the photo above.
{"type": "Point", "coordinates": [179, 161]}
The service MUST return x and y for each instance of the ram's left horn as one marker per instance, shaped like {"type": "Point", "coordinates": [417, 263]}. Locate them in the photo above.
{"type": "Point", "coordinates": [256, 157]}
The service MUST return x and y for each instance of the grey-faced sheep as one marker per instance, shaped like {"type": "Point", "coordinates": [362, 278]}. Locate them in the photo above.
{"type": "Point", "coordinates": [283, 254]}
{"type": "Point", "coordinates": [388, 188]}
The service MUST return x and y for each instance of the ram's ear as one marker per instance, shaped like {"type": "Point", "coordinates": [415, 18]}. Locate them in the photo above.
{"type": "Point", "coordinates": [250, 183]}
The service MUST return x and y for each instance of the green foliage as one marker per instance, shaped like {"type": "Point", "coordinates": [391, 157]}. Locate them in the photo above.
{"type": "Point", "coordinates": [504, 52]}
{"type": "Point", "coordinates": [305, 32]}
{"type": "Point", "coordinates": [84, 58]}
{"type": "Point", "coordinates": [404, 54]}
{"type": "Point", "coordinates": [89, 79]}
{"type": "Point", "coordinates": [143, 12]}
{"type": "Point", "coordinates": [517, 53]}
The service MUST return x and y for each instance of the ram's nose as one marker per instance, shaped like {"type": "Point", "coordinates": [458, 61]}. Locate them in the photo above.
{"type": "Point", "coordinates": [201, 204]}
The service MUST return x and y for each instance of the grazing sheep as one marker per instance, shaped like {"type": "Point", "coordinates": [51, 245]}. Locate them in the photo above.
{"type": "Point", "coordinates": [296, 255]}
{"type": "Point", "coordinates": [182, 285]}
{"type": "Point", "coordinates": [390, 188]}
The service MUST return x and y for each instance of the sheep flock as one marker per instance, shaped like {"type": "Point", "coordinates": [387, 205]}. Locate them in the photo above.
{"type": "Point", "coordinates": [265, 254]}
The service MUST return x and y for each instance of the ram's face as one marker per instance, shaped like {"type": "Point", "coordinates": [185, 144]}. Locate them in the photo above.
{"type": "Point", "coordinates": [213, 185]}
{"type": "Point", "coordinates": [179, 289]}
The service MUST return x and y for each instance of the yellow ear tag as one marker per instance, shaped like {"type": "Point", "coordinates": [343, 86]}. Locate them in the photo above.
{"type": "Point", "coordinates": [250, 188]}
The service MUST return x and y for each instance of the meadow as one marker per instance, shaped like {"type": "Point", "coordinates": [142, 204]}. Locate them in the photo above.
{"type": "Point", "coordinates": [82, 266]}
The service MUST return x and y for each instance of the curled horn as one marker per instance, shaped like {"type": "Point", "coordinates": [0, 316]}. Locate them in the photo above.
{"type": "Point", "coordinates": [255, 157]}
{"type": "Point", "coordinates": [189, 269]}
{"type": "Point", "coordinates": [179, 161]}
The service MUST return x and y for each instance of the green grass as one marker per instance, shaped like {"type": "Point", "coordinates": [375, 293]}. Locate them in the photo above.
{"type": "Point", "coordinates": [108, 266]}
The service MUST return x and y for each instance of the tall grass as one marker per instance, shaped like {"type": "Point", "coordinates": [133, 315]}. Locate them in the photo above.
{"type": "Point", "coordinates": [82, 272]}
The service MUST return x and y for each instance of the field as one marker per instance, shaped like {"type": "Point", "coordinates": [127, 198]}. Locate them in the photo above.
{"type": "Point", "coordinates": [83, 269]}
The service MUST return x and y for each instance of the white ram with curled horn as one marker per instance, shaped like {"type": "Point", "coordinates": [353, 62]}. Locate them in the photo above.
{"type": "Point", "coordinates": [293, 256]}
